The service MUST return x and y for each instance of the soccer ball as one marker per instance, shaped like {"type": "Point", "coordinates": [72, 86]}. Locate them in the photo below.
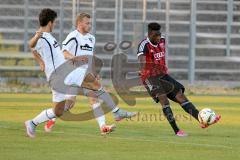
{"type": "Point", "coordinates": [206, 116]}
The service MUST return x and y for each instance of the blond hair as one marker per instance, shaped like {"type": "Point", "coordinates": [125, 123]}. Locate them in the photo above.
{"type": "Point", "coordinates": [81, 16]}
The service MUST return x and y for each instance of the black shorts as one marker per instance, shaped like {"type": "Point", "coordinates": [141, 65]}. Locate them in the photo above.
{"type": "Point", "coordinates": [158, 85]}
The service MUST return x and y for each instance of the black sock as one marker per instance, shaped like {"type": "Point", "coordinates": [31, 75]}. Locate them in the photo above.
{"type": "Point", "coordinates": [169, 115]}
{"type": "Point", "coordinates": [191, 109]}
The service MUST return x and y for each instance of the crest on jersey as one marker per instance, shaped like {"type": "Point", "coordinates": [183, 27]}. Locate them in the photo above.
{"type": "Point", "coordinates": [90, 39]}
{"type": "Point", "coordinates": [55, 45]}
{"type": "Point", "coordinates": [152, 51]}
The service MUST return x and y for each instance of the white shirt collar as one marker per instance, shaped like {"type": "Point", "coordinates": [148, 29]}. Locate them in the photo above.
{"type": "Point", "coordinates": [47, 34]}
{"type": "Point", "coordinates": [82, 34]}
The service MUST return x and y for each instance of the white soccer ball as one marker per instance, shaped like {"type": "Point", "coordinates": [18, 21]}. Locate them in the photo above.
{"type": "Point", "coordinates": [206, 116]}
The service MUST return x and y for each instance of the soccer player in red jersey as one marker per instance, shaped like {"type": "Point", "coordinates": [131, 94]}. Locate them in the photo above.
{"type": "Point", "coordinates": [159, 84]}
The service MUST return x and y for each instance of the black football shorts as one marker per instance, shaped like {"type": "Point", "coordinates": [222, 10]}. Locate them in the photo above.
{"type": "Point", "coordinates": [158, 85]}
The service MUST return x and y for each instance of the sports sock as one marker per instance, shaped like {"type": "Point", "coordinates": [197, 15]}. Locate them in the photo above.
{"type": "Point", "coordinates": [53, 119]}
{"type": "Point", "coordinates": [107, 99]}
{"type": "Point", "coordinates": [44, 116]}
{"type": "Point", "coordinates": [99, 114]}
{"type": "Point", "coordinates": [169, 115]}
{"type": "Point", "coordinates": [191, 109]}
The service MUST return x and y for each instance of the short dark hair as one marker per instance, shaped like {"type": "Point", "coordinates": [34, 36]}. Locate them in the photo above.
{"type": "Point", "coordinates": [154, 27]}
{"type": "Point", "coordinates": [47, 15]}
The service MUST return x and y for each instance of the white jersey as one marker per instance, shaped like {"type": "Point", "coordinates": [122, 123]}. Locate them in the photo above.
{"type": "Point", "coordinates": [50, 52]}
{"type": "Point", "coordinates": [78, 44]}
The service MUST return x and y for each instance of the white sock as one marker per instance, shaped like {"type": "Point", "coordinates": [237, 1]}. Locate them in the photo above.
{"type": "Point", "coordinates": [53, 119]}
{"type": "Point", "coordinates": [44, 116]}
{"type": "Point", "coordinates": [101, 94]}
{"type": "Point", "coordinates": [99, 114]}
{"type": "Point", "coordinates": [115, 110]}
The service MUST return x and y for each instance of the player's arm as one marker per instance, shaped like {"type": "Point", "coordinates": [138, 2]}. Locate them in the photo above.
{"type": "Point", "coordinates": [94, 70]}
{"type": "Point", "coordinates": [67, 48]}
{"type": "Point", "coordinates": [33, 41]}
{"type": "Point", "coordinates": [142, 50]}
{"type": "Point", "coordinates": [39, 60]}
{"type": "Point", "coordinates": [32, 44]}
{"type": "Point", "coordinates": [68, 55]}
{"type": "Point", "coordinates": [94, 65]}
{"type": "Point", "coordinates": [142, 61]}
{"type": "Point", "coordinates": [68, 45]}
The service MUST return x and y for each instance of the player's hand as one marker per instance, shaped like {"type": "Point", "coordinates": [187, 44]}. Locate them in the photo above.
{"type": "Point", "coordinates": [83, 59]}
{"type": "Point", "coordinates": [97, 76]}
{"type": "Point", "coordinates": [39, 33]}
{"type": "Point", "coordinates": [80, 59]}
{"type": "Point", "coordinates": [42, 66]}
{"type": "Point", "coordinates": [139, 73]}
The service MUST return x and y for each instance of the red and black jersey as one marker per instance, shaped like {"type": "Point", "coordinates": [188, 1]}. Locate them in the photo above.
{"type": "Point", "coordinates": [155, 58]}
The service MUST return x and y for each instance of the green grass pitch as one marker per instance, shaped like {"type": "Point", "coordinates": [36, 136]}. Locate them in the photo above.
{"type": "Point", "coordinates": [146, 137]}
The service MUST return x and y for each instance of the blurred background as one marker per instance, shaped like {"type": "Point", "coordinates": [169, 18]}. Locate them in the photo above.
{"type": "Point", "coordinates": [203, 36]}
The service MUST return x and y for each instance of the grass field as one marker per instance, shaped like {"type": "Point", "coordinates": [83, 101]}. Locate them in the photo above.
{"type": "Point", "coordinates": [144, 137]}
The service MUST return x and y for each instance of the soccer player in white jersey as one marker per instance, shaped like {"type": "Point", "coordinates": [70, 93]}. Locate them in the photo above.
{"type": "Point", "coordinates": [85, 46]}
{"type": "Point", "coordinates": [47, 52]}
{"type": "Point", "coordinates": [81, 43]}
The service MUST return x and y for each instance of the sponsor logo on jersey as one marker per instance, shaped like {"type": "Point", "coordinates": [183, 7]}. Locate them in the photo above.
{"type": "Point", "coordinates": [158, 56]}
{"type": "Point", "coordinates": [86, 47]}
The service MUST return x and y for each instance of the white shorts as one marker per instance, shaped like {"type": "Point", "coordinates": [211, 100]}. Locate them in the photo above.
{"type": "Point", "coordinates": [76, 77]}
{"type": "Point", "coordinates": [84, 92]}
{"type": "Point", "coordinates": [58, 97]}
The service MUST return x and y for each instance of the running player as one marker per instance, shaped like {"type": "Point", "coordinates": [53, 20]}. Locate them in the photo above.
{"type": "Point", "coordinates": [155, 77]}
{"type": "Point", "coordinates": [47, 52]}
{"type": "Point", "coordinates": [81, 42]}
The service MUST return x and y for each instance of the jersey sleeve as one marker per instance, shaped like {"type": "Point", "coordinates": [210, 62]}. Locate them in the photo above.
{"type": "Point", "coordinates": [39, 47]}
{"type": "Point", "coordinates": [142, 48]}
{"type": "Point", "coordinates": [70, 44]}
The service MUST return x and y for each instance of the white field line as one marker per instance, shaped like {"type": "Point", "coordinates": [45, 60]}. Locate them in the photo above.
{"type": "Point", "coordinates": [131, 139]}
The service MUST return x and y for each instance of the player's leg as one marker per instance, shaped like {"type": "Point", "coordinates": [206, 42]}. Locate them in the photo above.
{"type": "Point", "coordinates": [46, 115]}
{"type": "Point", "coordinates": [70, 102]}
{"type": "Point", "coordinates": [178, 96]}
{"type": "Point", "coordinates": [157, 91]}
{"type": "Point", "coordinates": [191, 109]}
{"type": "Point", "coordinates": [167, 111]}
{"type": "Point", "coordinates": [170, 116]}
{"type": "Point", "coordinates": [49, 125]}
{"type": "Point", "coordinates": [91, 82]}
{"type": "Point", "coordinates": [99, 113]}
{"type": "Point", "coordinates": [188, 106]}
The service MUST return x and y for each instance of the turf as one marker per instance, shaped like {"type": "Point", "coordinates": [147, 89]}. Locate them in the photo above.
{"type": "Point", "coordinates": [147, 136]}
